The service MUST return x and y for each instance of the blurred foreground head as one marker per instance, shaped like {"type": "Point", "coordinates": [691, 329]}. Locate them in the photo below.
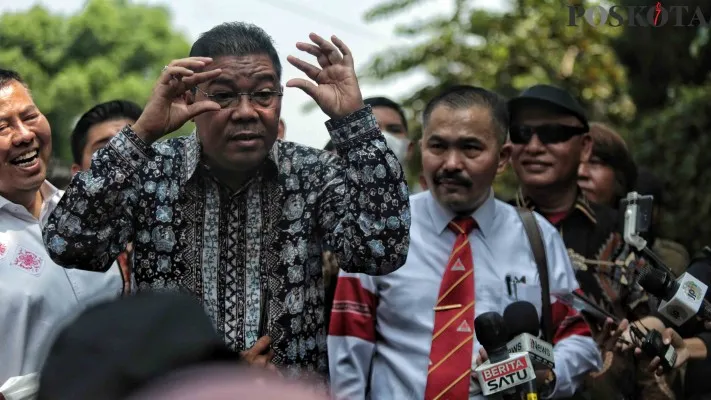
{"type": "Point", "coordinates": [113, 349]}
{"type": "Point", "coordinates": [225, 382]}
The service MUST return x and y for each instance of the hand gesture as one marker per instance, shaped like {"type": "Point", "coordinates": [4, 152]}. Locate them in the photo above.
{"type": "Point", "coordinates": [260, 355]}
{"type": "Point", "coordinates": [669, 336]}
{"type": "Point", "coordinates": [612, 337]}
{"type": "Point", "coordinates": [336, 90]}
{"type": "Point", "coordinates": [168, 108]}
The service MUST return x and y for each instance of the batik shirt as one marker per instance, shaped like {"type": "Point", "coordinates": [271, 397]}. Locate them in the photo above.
{"type": "Point", "coordinates": [231, 248]}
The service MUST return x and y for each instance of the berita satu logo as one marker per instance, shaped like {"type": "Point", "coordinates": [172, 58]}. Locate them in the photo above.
{"type": "Point", "coordinates": [654, 15]}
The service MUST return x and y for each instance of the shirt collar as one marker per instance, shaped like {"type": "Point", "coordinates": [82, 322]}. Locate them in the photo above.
{"type": "Point", "coordinates": [193, 152]}
{"type": "Point", "coordinates": [484, 215]}
{"type": "Point", "coordinates": [47, 190]}
{"type": "Point", "coordinates": [581, 205]}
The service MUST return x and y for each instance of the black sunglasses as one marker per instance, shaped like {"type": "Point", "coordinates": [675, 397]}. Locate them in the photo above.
{"type": "Point", "coordinates": [547, 134]}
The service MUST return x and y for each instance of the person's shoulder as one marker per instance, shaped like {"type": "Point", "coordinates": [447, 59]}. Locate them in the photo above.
{"type": "Point", "coordinates": [419, 200]}
{"type": "Point", "coordinates": [510, 213]}
{"type": "Point", "coordinates": [671, 246]}
{"type": "Point", "coordinates": [605, 214]}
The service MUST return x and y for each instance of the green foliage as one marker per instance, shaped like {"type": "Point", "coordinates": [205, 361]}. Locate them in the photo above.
{"type": "Point", "coordinates": [111, 49]}
{"type": "Point", "coordinates": [649, 82]}
{"type": "Point", "coordinates": [674, 144]}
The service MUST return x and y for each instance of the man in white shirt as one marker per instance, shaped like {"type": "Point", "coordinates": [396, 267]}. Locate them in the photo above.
{"type": "Point", "coordinates": [36, 295]}
{"type": "Point", "coordinates": [388, 335]}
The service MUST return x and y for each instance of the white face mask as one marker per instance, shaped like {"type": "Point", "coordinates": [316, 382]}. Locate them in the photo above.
{"type": "Point", "coordinates": [398, 145]}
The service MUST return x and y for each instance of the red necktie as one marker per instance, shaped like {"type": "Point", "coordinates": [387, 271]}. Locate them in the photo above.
{"type": "Point", "coordinates": [450, 365]}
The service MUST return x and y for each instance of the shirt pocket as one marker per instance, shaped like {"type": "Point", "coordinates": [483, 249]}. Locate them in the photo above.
{"type": "Point", "coordinates": [530, 293]}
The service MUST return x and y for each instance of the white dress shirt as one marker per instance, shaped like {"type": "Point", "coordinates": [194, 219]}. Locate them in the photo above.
{"type": "Point", "coordinates": [381, 327]}
{"type": "Point", "coordinates": [37, 296]}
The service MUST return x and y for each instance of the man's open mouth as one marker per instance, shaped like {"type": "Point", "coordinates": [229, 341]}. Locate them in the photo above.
{"type": "Point", "coordinates": [25, 159]}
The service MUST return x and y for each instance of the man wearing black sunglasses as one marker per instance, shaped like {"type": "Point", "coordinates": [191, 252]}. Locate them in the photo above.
{"type": "Point", "coordinates": [549, 134]}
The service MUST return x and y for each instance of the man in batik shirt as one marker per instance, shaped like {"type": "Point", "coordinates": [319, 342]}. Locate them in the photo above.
{"type": "Point", "coordinates": [231, 216]}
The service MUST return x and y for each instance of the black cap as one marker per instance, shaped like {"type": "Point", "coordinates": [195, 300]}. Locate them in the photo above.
{"type": "Point", "coordinates": [114, 348]}
{"type": "Point", "coordinates": [550, 95]}
{"type": "Point", "coordinates": [521, 317]}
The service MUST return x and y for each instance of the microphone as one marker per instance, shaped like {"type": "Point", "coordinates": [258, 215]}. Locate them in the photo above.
{"type": "Point", "coordinates": [502, 371]}
{"type": "Point", "coordinates": [522, 321]}
{"type": "Point", "coordinates": [681, 299]}
{"type": "Point", "coordinates": [521, 318]}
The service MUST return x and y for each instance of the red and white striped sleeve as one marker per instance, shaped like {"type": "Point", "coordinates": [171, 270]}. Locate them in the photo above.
{"type": "Point", "coordinates": [351, 336]}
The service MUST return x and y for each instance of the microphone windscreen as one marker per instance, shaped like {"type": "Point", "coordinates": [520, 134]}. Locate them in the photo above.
{"type": "Point", "coordinates": [490, 330]}
{"type": "Point", "coordinates": [653, 281]}
{"type": "Point", "coordinates": [521, 317]}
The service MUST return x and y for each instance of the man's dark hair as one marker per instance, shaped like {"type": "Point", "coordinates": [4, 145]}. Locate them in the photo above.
{"type": "Point", "coordinates": [8, 75]}
{"type": "Point", "coordinates": [104, 112]}
{"type": "Point", "coordinates": [236, 39]}
{"type": "Point", "coordinates": [464, 96]}
{"type": "Point", "coordinates": [385, 102]}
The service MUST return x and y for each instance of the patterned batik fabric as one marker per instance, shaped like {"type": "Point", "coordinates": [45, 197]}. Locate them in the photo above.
{"type": "Point", "coordinates": [230, 248]}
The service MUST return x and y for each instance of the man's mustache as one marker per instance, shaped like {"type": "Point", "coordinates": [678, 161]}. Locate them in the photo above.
{"type": "Point", "coordinates": [452, 177]}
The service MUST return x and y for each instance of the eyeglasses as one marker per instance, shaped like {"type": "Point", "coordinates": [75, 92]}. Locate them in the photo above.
{"type": "Point", "coordinates": [260, 99]}
{"type": "Point", "coordinates": [547, 134]}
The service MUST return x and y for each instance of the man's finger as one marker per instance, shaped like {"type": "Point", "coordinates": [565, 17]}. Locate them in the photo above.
{"type": "Point", "coordinates": [653, 365]}
{"type": "Point", "coordinates": [200, 107]}
{"type": "Point", "coordinates": [483, 355]}
{"type": "Point", "coordinates": [310, 70]}
{"type": "Point", "coordinates": [347, 55]}
{"type": "Point", "coordinates": [326, 46]}
{"type": "Point", "coordinates": [308, 87]}
{"type": "Point", "coordinates": [172, 73]}
{"type": "Point", "coordinates": [201, 77]}
{"type": "Point", "coordinates": [262, 344]}
{"type": "Point", "coordinates": [191, 62]}
{"type": "Point", "coordinates": [309, 48]}
{"type": "Point", "coordinates": [322, 59]}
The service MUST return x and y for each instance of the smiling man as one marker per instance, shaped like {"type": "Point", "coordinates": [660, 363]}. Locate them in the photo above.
{"type": "Point", "coordinates": [230, 213]}
{"type": "Point", "coordinates": [36, 295]}
{"type": "Point", "coordinates": [550, 138]}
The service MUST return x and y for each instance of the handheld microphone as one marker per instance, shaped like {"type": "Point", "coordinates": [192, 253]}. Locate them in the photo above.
{"type": "Point", "coordinates": [502, 371]}
{"type": "Point", "coordinates": [523, 323]}
{"type": "Point", "coordinates": [681, 299]}
{"type": "Point", "coordinates": [521, 319]}
{"type": "Point", "coordinates": [653, 345]}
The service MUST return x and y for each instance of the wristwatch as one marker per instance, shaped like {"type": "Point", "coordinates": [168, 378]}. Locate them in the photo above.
{"type": "Point", "coordinates": [548, 383]}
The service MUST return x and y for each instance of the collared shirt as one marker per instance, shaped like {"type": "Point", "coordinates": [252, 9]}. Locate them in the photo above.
{"type": "Point", "coordinates": [604, 264]}
{"type": "Point", "coordinates": [233, 249]}
{"type": "Point", "coordinates": [381, 327]}
{"type": "Point", "coordinates": [36, 295]}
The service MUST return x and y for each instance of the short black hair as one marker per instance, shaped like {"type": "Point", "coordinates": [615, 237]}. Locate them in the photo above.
{"type": "Point", "coordinates": [100, 113]}
{"type": "Point", "coordinates": [8, 75]}
{"type": "Point", "coordinates": [236, 39]}
{"type": "Point", "coordinates": [385, 102]}
{"type": "Point", "coordinates": [464, 96]}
